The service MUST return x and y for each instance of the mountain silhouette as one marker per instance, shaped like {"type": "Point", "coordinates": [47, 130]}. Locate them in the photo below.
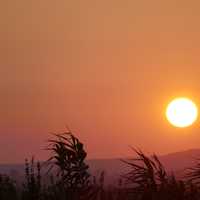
{"type": "Point", "coordinates": [174, 162]}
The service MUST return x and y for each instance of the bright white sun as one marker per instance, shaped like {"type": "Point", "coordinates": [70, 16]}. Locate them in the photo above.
{"type": "Point", "coordinates": [182, 112]}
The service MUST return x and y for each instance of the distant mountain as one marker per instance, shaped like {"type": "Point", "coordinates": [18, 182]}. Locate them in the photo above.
{"type": "Point", "coordinates": [174, 163]}
{"type": "Point", "coordinates": [114, 168]}
{"type": "Point", "coordinates": [180, 160]}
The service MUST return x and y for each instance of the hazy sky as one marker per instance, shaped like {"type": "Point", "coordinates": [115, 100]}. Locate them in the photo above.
{"type": "Point", "coordinates": [105, 68]}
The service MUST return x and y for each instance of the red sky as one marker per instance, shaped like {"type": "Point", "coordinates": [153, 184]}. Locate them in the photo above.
{"type": "Point", "coordinates": [104, 68]}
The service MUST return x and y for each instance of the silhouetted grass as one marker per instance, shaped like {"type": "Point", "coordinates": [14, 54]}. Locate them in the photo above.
{"type": "Point", "coordinates": [66, 177]}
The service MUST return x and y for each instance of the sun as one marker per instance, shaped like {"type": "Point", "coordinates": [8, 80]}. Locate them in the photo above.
{"type": "Point", "coordinates": [182, 112]}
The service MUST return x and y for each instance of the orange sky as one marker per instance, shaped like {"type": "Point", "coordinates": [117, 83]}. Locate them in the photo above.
{"type": "Point", "coordinates": [105, 68]}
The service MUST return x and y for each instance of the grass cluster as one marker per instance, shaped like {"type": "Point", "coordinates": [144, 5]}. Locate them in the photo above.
{"type": "Point", "coordinates": [69, 178]}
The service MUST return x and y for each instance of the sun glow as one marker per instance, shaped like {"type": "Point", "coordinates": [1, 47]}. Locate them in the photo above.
{"type": "Point", "coordinates": [182, 112]}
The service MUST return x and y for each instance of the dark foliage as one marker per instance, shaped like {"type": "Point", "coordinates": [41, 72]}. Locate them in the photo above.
{"type": "Point", "coordinates": [148, 180]}
{"type": "Point", "coordinates": [32, 185]}
{"type": "Point", "coordinates": [67, 178]}
{"type": "Point", "coordinates": [68, 157]}
{"type": "Point", "coordinates": [7, 188]}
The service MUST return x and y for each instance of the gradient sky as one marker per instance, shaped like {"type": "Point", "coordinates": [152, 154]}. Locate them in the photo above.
{"type": "Point", "coordinates": [105, 68]}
